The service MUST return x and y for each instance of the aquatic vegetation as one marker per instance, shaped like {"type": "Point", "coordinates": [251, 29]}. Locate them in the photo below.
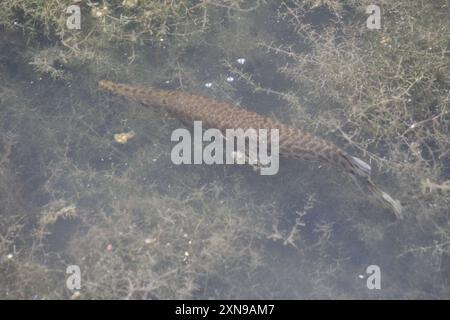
{"type": "Point", "coordinates": [378, 100]}
{"type": "Point", "coordinates": [140, 227]}
{"type": "Point", "coordinates": [124, 24]}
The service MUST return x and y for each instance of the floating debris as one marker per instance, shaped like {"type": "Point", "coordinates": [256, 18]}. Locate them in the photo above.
{"type": "Point", "coordinates": [123, 137]}
{"type": "Point", "coordinates": [241, 60]}
{"type": "Point", "coordinates": [208, 84]}
{"type": "Point", "coordinates": [230, 79]}
{"type": "Point", "coordinates": [242, 158]}
{"type": "Point", "coordinates": [150, 240]}
{"type": "Point", "coordinates": [76, 295]}
{"type": "Point", "coordinates": [99, 12]}
{"type": "Point", "coordinates": [429, 187]}
{"type": "Point", "coordinates": [130, 3]}
{"type": "Point", "coordinates": [239, 157]}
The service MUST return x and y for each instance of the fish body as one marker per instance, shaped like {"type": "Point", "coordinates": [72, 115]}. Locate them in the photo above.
{"type": "Point", "coordinates": [293, 143]}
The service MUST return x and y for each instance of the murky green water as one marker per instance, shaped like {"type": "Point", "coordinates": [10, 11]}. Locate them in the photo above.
{"type": "Point", "coordinates": [140, 227]}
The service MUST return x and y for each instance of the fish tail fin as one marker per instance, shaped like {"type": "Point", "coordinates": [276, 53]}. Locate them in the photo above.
{"type": "Point", "coordinates": [360, 167]}
{"type": "Point", "coordinates": [381, 197]}
{"type": "Point", "coordinates": [360, 172]}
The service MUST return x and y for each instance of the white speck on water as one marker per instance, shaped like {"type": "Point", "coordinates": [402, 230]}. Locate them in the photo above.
{"type": "Point", "coordinates": [241, 60]}
{"type": "Point", "coordinates": [230, 79]}
{"type": "Point", "coordinates": [75, 295]}
{"type": "Point", "coordinates": [208, 84]}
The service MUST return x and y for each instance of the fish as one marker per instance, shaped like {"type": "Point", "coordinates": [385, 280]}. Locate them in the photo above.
{"type": "Point", "coordinates": [294, 143]}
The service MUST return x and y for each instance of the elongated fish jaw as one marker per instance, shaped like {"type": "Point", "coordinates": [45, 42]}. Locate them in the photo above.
{"type": "Point", "coordinates": [360, 167]}
{"type": "Point", "coordinates": [130, 92]}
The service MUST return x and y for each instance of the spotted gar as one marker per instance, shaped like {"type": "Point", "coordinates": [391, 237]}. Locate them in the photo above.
{"type": "Point", "coordinates": [293, 143]}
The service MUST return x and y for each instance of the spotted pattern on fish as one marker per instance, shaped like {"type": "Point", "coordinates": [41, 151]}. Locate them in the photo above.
{"type": "Point", "coordinates": [293, 142]}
